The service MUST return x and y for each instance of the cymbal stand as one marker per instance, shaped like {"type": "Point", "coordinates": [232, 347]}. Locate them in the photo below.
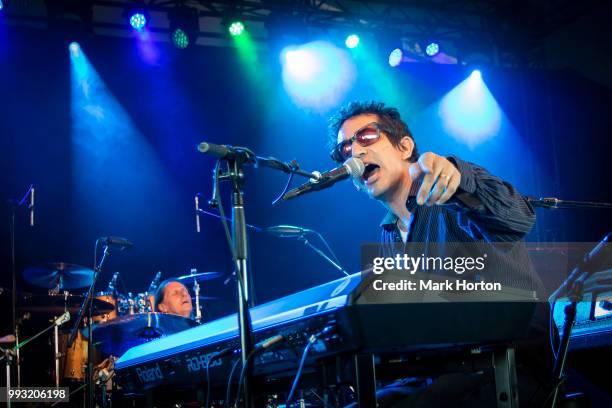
{"type": "Point", "coordinates": [196, 291]}
{"type": "Point", "coordinates": [87, 307]}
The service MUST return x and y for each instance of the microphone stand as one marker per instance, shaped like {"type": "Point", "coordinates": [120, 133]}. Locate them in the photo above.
{"type": "Point", "coordinates": [574, 285]}
{"type": "Point", "coordinates": [86, 307]}
{"type": "Point", "coordinates": [553, 203]}
{"type": "Point", "coordinates": [236, 157]}
{"type": "Point", "coordinates": [15, 324]}
{"type": "Point", "coordinates": [322, 254]}
{"type": "Point", "coordinates": [301, 237]}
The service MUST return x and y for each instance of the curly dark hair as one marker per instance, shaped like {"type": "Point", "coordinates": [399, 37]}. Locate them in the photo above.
{"type": "Point", "coordinates": [389, 117]}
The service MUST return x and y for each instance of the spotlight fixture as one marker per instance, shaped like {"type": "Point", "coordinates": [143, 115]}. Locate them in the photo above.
{"type": "Point", "coordinates": [236, 28]}
{"type": "Point", "coordinates": [395, 57]}
{"type": "Point", "coordinates": [74, 48]}
{"type": "Point", "coordinates": [352, 41]}
{"type": "Point", "coordinates": [184, 26]}
{"type": "Point", "coordinates": [432, 49]}
{"type": "Point", "coordinates": [138, 21]}
{"type": "Point", "coordinates": [135, 13]}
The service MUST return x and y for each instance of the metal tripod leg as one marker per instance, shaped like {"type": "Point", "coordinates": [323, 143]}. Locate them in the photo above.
{"type": "Point", "coordinates": [506, 389]}
{"type": "Point", "coordinates": [365, 380]}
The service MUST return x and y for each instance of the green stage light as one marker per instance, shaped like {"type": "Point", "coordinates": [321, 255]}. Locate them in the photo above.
{"type": "Point", "coordinates": [180, 38]}
{"type": "Point", "coordinates": [236, 28]}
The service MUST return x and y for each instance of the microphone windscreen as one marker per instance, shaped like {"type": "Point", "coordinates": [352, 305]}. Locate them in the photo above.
{"type": "Point", "coordinates": [355, 167]}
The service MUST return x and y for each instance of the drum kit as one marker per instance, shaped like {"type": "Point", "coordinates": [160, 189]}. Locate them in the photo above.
{"type": "Point", "coordinates": [119, 320]}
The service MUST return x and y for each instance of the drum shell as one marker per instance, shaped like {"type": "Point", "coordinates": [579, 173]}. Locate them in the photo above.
{"type": "Point", "coordinates": [73, 360]}
{"type": "Point", "coordinates": [110, 298]}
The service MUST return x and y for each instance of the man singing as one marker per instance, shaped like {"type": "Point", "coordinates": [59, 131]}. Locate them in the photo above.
{"type": "Point", "coordinates": [431, 198]}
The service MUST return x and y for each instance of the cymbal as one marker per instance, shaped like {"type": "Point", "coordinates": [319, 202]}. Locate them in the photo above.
{"type": "Point", "coordinates": [54, 274]}
{"type": "Point", "coordinates": [56, 304]}
{"type": "Point", "coordinates": [200, 276]}
{"type": "Point", "coordinates": [116, 336]}
{"type": "Point", "coordinates": [193, 298]}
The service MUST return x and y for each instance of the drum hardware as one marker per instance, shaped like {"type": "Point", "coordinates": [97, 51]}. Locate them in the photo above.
{"type": "Point", "coordinates": [58, 321]}
{"type": "Point", "coordinates": [87, 307]}
{"type": "Point", "coordinates": [150, 293]}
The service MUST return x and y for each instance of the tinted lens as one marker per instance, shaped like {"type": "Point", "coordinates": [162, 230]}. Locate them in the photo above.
{"type": "Point", "coordinates": [367, 136]}
{"type": "Point", "coordinates": [364, 137]}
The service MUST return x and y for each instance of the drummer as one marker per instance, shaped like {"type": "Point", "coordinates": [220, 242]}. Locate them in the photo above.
{"type": "Point", "coordinates": [174, 298]}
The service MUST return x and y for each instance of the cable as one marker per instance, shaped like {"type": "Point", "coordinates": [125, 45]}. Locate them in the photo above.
{"type": "Point", "coordinates": [229, 382]}
{"type": "Point", "coordinates": [207, 377]}
{"type": "Point", "coordinates": [331, 251]}
{"type": "Point", "coordinates": [242, 373]}
{"type": "Point", "coordinates": [551, 334]}
{"type": "Point", "coordinates": [296, 380]}
{"type": "Point", "coordinates": [228, 236]}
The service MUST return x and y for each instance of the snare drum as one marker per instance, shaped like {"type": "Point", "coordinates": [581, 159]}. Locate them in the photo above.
{"type": "Point", "coordinates": [110, 298]}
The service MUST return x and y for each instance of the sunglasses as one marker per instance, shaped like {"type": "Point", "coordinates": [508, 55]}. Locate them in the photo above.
{"type": "Point", "coordinates": [365, 136]}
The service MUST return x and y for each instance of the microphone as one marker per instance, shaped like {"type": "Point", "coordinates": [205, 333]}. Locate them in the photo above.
{"type": "Point", "coordinates": [225, 151]}
{"type": "Point", "coordinates": [353, 167]}
{"type": "Point", "coordinates": [31, 206]}
{"type": "Point", "coordinates": [118, 242]}
{"type": "Point", "coordinates": [287, 231]}
{"type": "Point", "coordinates": [112, 284]}
{"type": "Point", "coordinates": [599, 257]}
{"type": "Point", "coordinates": [197, 209]}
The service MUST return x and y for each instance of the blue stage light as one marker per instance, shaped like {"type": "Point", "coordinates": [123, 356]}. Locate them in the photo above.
{"type": "Point", "coordinates": [470, 113]}
{"type": "Point", "coordinates": [138, 21]}
{"type": "Point", "coordinates": [395, 57]}
{"type": "Point", "coordinates": [432, 49]}
{"type": "Point", "coordinates": [74, 48]}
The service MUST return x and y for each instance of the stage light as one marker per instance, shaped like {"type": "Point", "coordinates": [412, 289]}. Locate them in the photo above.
{"type": "Point", "coordinates": [138, 21]}
{"type": "Point", "coordinates": [184, 26]}
{"type": "Point", "coordinates": [317, 74]}
{"type": "Point", "coordinates": [74, 48]}
{"type": "Point", "coordinates": [236, 28]}
{"type": "Point", "coordinates": [180, 38]}
{"type": "Point", "coordinates": [432, 49]}
{"type": "Point", "coordinates": [302, 64]}
{"type": "Point", "coordinates": [395, 57]}
{"type": "Point", "coordinates": [352, 41]}
{"type": "Point", "coordinates": [470, 113]}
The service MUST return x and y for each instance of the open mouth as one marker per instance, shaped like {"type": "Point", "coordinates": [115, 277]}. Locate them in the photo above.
{"type": "Point", "coordinates": [370, 169]}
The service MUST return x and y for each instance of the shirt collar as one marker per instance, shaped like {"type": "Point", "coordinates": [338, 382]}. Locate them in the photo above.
{"type": "Point", "coordinates": [390, 220]}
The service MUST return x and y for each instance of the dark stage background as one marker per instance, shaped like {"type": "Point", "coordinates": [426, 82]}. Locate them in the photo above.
{"type": "Point", "coordinates": [132, 168]}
